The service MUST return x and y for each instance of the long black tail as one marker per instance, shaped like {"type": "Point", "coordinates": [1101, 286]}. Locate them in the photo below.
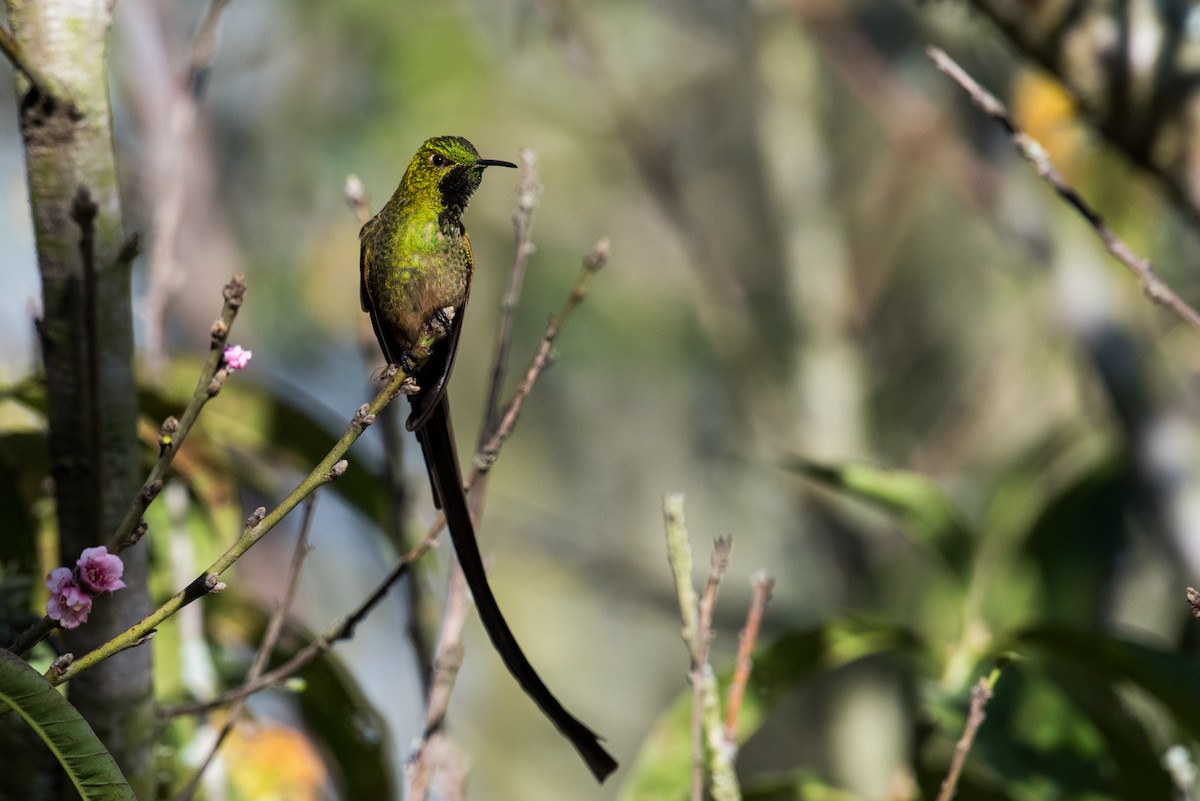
{"type": "Point", "coordinates": [437, 443]}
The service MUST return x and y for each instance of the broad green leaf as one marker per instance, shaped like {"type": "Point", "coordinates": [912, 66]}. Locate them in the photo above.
{"type": "Point", "coordinates": [1078, 542]}
{"type": "Point", "coordinates": [1052, 725]}
{"type": "Point", "coordinates": [1167, 676]}
{"type": "Point", "coordinates": [60, 726]}
{"type": "Point", "coordinates": [927, 513]}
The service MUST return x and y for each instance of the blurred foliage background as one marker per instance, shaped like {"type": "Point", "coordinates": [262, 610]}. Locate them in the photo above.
{"type": "Point", "coordinates": [840, 314]}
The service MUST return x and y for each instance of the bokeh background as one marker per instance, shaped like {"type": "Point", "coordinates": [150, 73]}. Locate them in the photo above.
{"type": "Point", "coordinates": [819, 252]}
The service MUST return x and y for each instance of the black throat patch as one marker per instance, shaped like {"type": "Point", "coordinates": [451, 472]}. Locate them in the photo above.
{"type": "Point", "coordinates": [456, 188]}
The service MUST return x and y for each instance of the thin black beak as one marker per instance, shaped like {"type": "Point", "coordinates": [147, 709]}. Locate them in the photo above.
{"type": "Point", "coordinates": [494, 163]}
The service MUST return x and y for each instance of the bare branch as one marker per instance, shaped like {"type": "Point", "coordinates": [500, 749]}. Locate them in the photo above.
{"type": "Point", "coordinates": [265, 648]}
{"type": "Point", "coordinates": [1154, 287]}
{"type": "Point", "coordinates": [762, 584]}
{"type": "Point", "coordinates": [980, 695]}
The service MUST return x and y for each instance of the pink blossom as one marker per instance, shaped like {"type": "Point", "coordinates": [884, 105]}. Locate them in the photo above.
{"type": "Point", "coordinates": [100, 571]}
{"type": "Point", "coordinates": [237, 357]}
{"type": "Point", "coordinates": [68, 604]}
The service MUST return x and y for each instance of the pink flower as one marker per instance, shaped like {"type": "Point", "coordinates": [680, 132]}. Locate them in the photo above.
{"type": "Point", "coordinates": [68, 604]}
{"type": "Point", "coordinates": [100, 571]}
{"type": "Point", "coordinates": [237, 357]}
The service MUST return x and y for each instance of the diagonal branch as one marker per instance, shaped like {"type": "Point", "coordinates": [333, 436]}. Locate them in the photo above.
{"type": "Point", "coordinates": [344, 629]}
{"type": "Point", "coordinates": [132, 527]}
{"type": "Point", "coordinates": [269, 641]}
{"type": "Point", "coordinates": [1154, 287]}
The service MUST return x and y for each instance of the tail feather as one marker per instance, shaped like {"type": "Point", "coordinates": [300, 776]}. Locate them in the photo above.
{"type": "Point", "coordinates": [437, 442]}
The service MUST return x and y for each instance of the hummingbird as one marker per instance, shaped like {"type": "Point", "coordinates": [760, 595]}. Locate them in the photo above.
{"type": "Point", "coordinates": [415, 269]}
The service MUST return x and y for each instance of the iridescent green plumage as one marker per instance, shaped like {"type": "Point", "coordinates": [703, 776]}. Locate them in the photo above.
{"type": "Point", "coordinates": [415, 263]}
{"type": "Point", "coordinates": [416, 257]}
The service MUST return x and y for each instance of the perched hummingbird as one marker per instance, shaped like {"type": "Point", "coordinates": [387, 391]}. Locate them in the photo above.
{"type": "Point", "coordinates": [416, 263]}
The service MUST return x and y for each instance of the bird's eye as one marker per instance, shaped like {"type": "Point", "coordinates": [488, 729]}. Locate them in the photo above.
{"type": "Point", "coordinates": [437, 160]}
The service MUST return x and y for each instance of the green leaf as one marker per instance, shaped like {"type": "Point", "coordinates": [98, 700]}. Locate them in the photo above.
{"type": "Point", "coordinates": [927, 513]}
{"type": "Point", "coordinates": [60, 726]}
{"type": "Point", "coordinates": [1079, 540]}
{"type": "Point", "coordinates": [1169, 677]}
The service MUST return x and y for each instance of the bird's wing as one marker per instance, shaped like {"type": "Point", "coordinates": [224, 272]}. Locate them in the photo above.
{"type": "Point", "coordinates": [435, 373]}
{"type": "Point", "coordinates": [365, 234]}
{"type": "Point", "coordinates": [366, 238]}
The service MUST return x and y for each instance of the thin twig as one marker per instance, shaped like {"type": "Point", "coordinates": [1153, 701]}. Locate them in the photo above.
{"type": "Point", "coordinates": [762, 585]}
{"type": "Point", "coordinates": [706, 698]}
{"type": "Point", "coordinates": [261, 522]}
{"type": "Point", "coordinates": [356, 197]}
{"type": "Point", "coordinates": [980, 695]}
{"type": "Point", "coordinates": [164, 276]}
{"type": "Point", "coordinates": [132, 527]}
{"type": "Point", "coordinates": [679, 555]}
{"type": "Point", "coordinates": [345, 628]}
{"type": "Point", "coordinates": [485, 456]}
{"type": "Point", "coordinates": [1154, 287]}
{"type": "Point", "coordinates": [697, 635]}
{"type": "Point", "coordinates": [341, 630]}
{"type": "Point", "coordinates": [446, 664]}
{"type": "Point", "coordinates": [527, 198]}
{"type": "Point", "coordinates": [265, 648]}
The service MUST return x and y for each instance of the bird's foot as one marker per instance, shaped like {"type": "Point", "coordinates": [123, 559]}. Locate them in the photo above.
{"type": "Point", "coordinates": [408, 363]}
{"type": "Point", "coordinates": [438, 324]}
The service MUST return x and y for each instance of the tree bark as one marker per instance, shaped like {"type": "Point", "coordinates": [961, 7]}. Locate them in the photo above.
{"type": "Point", "coordinates": [86, 335]}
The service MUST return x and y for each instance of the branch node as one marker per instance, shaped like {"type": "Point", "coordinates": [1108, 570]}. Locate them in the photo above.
{"type": "Point", "coordinates": [151, 490]}
{"type": "Point", "coordinates": [136, 534]}
{"type": "Point", "coordinates": [218, 334]}
{"type": "Point", "coordinates": [60, 665]}
{"type": "Point", "coordinates": [235, 291]}
{"type": "Point", "coordinates": [338, 469]}
{"type": "Point", "coordinates": [362, 417]}
{"type": "Point", "coordinates": [130, 249]}
{"type": "Point", "coordinates": [256, 517]}
{"type": "Point", "coordinates": [218, 381]}
{"type": "Point", "coordinates": [166, 435]}
{"type": "Point", "coordinates": [83, 208]}
{"type": "Point", "coordinates": [598, 256]}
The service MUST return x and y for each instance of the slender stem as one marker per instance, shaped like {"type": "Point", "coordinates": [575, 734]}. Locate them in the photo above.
{"type": "Point", "coordinates": [980, 695]}
{"type": "Point", "coordinates": [269, 641]}
{"type": "Point", "coordinates": [174, 432]}
{"type": "Point", "coordinates": [527, 197]}
{"type": "Point", "coordinates": [345, 629]}
{"type": "Point", "coordinates": [762, 584]}
{"type": "Point", "coordinates": [446, 664]}
{"type": "Point", "coordinates": [1152, 285]}
{"type": "Point", "coordinates": [329, 468]}
{"type": "Point", "coordinates": [486, 455]}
